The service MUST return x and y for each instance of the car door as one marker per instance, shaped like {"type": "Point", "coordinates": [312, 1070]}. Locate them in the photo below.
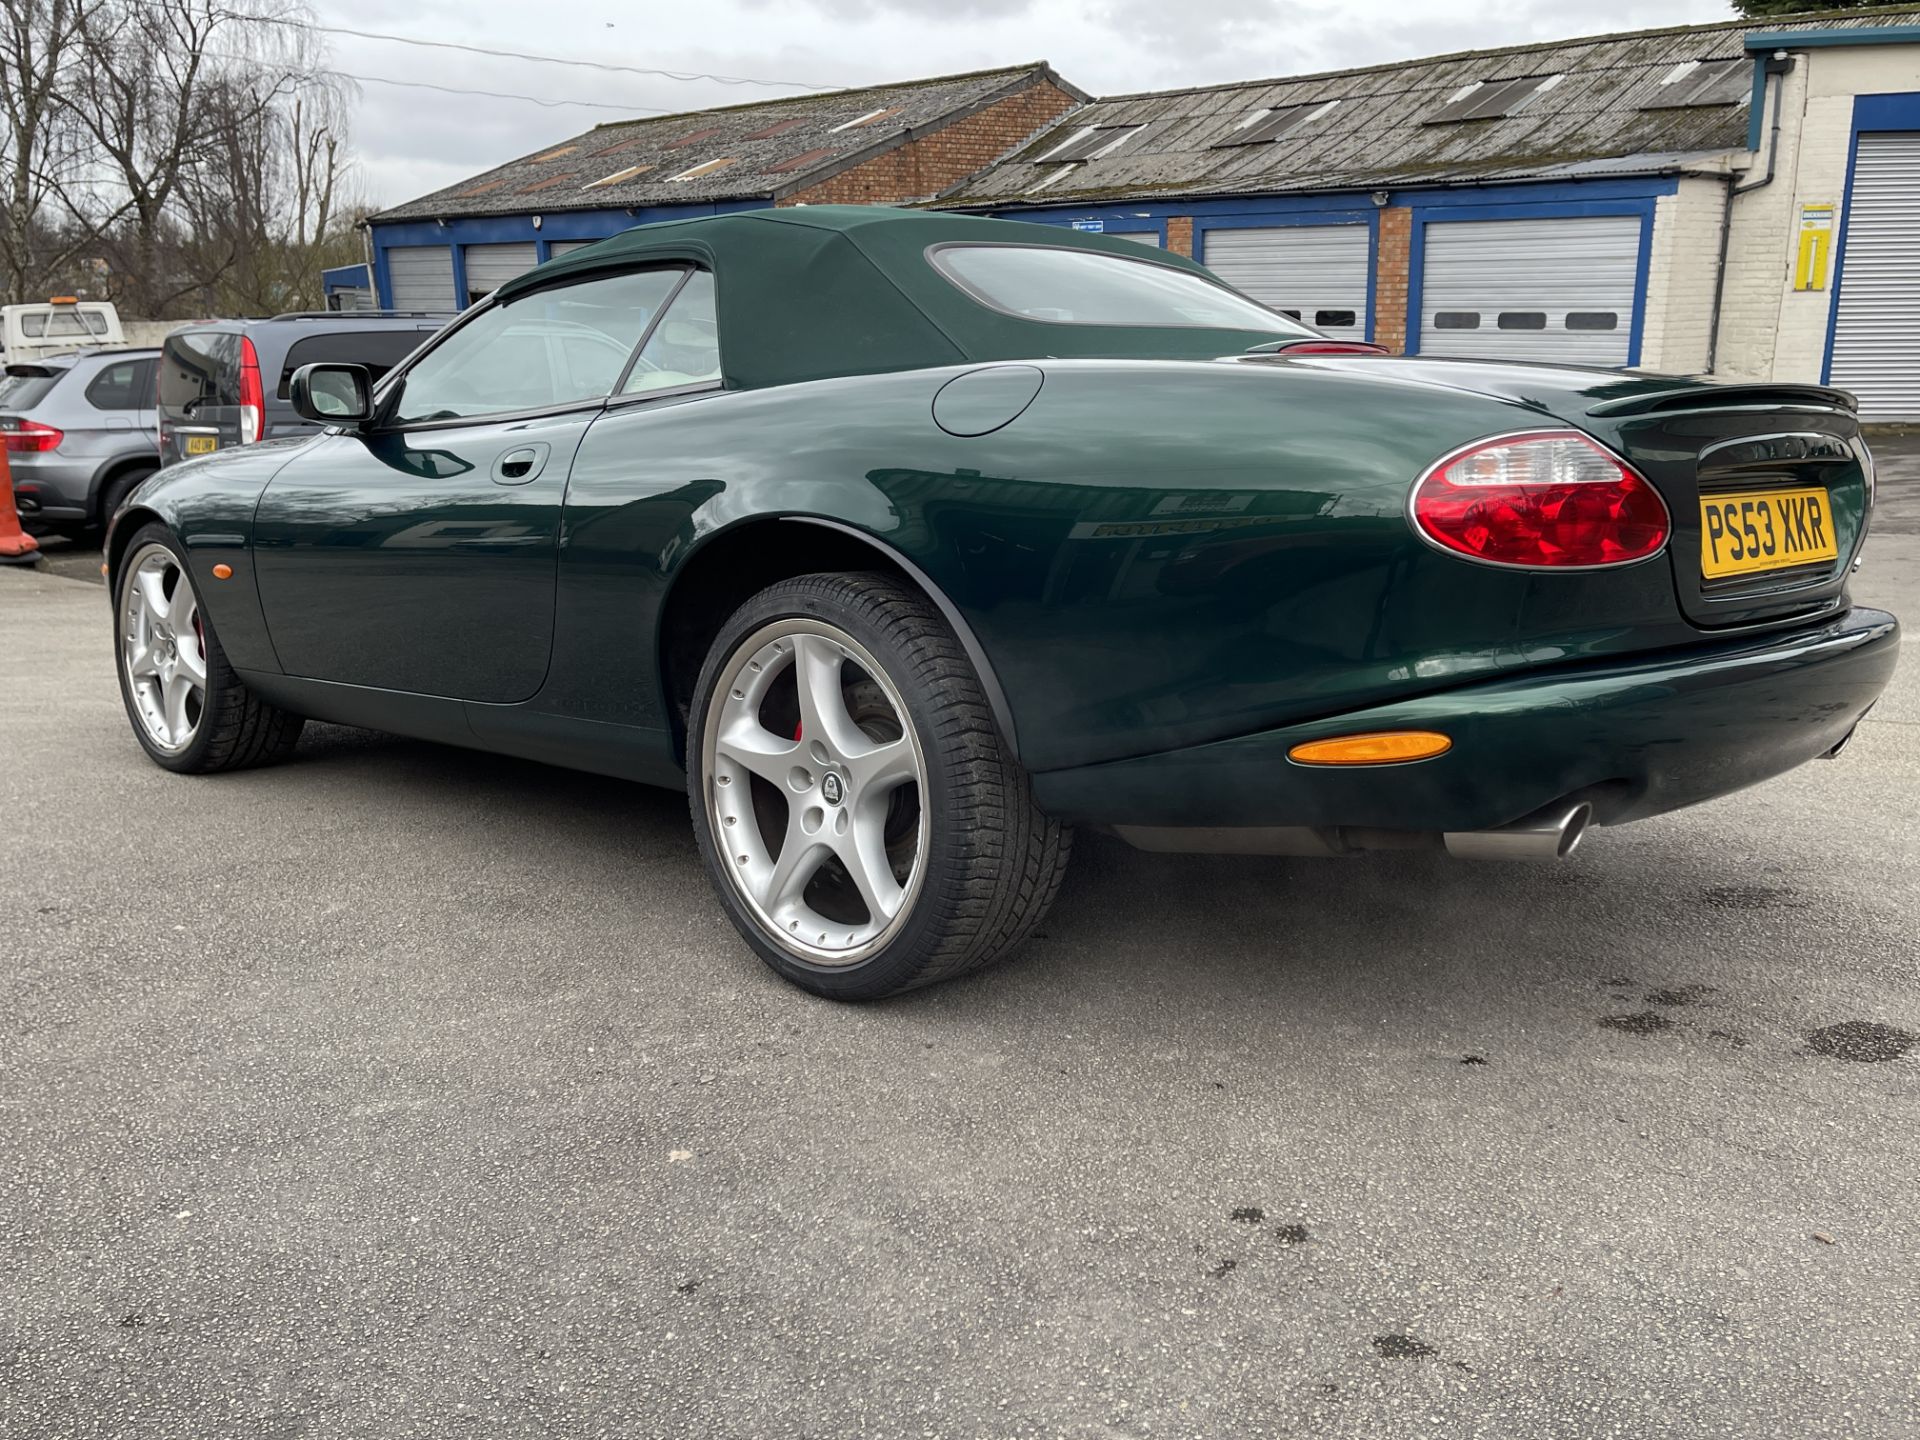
{"type": "Point", "coordinates": [418, 552]}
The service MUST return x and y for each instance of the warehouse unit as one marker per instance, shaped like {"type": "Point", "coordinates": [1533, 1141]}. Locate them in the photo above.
{"type": "Point", "coordinates": [1729, 198]}
{"type": "Point", "coordinates": [886, 144]}
{"type": "Point", "coordinates": [1569, 202]}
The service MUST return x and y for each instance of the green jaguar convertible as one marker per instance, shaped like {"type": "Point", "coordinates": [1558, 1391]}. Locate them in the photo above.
{"type": "Point", "coordinates": [908, 542]}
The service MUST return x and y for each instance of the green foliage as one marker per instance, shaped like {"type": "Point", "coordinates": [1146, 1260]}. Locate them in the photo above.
{"type": "Point", "coordinates": [1769, 9]}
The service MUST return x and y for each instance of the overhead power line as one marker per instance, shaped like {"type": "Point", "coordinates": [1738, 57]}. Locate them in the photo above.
{"type": "Point", "coordinates": [550, 104]}
{"type": "Point", "coordinates": [415, 40]}
{"type": "Point", "coordinates": [555, 59]}
{"type": "Point", "coordinates": [499, 94]}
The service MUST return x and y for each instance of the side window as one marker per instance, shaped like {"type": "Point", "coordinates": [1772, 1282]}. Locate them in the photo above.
{"type": "Point", "coordinates": [120, 386]}
{"type": "Point", "coordinates": [545, 348]}
{"type": "Point", "coordinates": [685, 347]}
{"type": "Point", "coordinates": [591, 361]}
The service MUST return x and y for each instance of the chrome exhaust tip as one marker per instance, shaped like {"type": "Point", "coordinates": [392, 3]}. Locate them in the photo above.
{"type": "Point", "coordinates": [1549, 834]}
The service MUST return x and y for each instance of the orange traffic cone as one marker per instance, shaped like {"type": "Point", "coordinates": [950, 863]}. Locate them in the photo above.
{"type": "Point", "coordinates": [16, 546]}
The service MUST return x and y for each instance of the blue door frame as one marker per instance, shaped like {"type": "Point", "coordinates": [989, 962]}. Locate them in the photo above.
{"type": "Point", "coordinates": [1551, 202]}
{"type": "Point", "coordinates": [1872, 115]}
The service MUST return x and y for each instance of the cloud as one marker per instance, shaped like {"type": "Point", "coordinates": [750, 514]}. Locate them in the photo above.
{"type": "Point", "coordinates": [415, 141]}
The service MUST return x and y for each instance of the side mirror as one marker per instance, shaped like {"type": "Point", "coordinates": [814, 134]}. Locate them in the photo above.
{"type": "Point", "coordinates": [332, 394]}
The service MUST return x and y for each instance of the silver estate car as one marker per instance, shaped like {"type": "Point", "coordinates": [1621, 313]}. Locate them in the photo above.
{"type": "Point", "coordinates": [81, 431]}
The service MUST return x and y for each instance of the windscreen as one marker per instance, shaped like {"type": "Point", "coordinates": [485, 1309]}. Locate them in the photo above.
{"type": "Point", "coordinates": [1084, 287]}
{"type": "Point", "coordinates": [54, 324]}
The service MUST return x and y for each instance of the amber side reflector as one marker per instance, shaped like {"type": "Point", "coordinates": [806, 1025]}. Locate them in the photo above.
{"type": "Point", "coordinates": [223, 572]}
{"type": "Point", "coordinates": [1385, 747]}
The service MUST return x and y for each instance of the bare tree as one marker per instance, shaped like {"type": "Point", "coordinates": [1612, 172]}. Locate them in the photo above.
{"type": "Point", "coordinates": [40, 52]}
{"type": "Point", "coordinates": [170, 91]}
{"type": "Point", "coordinates": [199, 147]}
{"type": "Point", "coordinates": [264, 214]}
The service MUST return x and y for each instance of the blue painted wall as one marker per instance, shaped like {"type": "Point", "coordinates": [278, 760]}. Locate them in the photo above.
{"type": "Point", "coordinates": [542, 230]}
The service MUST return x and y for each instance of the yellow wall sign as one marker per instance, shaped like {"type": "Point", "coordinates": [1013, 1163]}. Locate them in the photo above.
{"type": "Point", "coordinates": [1816, 247]}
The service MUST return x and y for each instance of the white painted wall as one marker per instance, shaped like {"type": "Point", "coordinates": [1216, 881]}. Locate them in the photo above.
{"type": "Point", "coordinates": [1680, 271]}
{"type": "Point", "coordinates": [1768, 330]}
{"type": "Point", "coordinates": [149, 332]}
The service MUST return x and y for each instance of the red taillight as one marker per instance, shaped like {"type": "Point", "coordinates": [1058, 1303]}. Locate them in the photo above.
{"type": "Point", "coordinates": [253, 399]}
{"type": "Point", "coordinates": [1552, 500]}
{"type": "Point", "coordinates": [30, 437]}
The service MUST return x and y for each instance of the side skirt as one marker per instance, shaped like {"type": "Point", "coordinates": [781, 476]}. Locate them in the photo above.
{"type": "Point", "coordinates": [627, 752]}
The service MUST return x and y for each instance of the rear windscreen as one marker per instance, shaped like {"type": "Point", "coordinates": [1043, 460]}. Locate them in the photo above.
{"type": "Point", "coordinates": [378, 350]}
{"type": "Point", "coordinates": [24, 387]}
{"type": "Point", "coordinates": [199, 368]}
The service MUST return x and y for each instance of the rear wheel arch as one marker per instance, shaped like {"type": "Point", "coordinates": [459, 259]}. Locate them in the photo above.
{"type": "Point", "coordinates": [111, 475]}
{"type": "Point", "coordinates": [744, 559]}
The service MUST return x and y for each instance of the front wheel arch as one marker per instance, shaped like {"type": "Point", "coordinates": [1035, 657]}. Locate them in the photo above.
{"type": "Point", "coordinates": [121, 540]}
{"type": "Point", "coordinates": [737, 563]}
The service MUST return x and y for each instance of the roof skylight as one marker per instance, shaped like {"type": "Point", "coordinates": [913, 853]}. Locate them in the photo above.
{"type": "Point", "coordinates": [1491, 99]}
{"type": "Point", "coordinates": [617, 177]}
{"type": "Point", "coordinates": [1052, 177]}
{"type": "Point", "coordinates": [1089, 143]}
{"type": "Point", "coordinates": [1264, 125]}
{"type": "Point", "coordinates": [705, 168]}
{"type": "Point", "coordinates": [1703, 82]}
{"type": "Point", "coordinates": [866, 119]}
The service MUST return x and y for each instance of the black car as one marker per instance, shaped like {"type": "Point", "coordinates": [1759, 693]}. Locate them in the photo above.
{"type": "Point", "coordinates": [224, 382]}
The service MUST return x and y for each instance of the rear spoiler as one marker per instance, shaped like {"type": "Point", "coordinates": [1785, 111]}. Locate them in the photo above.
{"type": "Point", "coordinates": [28, 371]}
{"type": "Point", "coordinates": [1713, 395]}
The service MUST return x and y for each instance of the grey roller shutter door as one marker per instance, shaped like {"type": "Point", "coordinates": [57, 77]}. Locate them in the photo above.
{"type": "Point", "coordinates": [1315, 273]}
{"type": "Point", "coordinates": [1139, 237]}
{"type": "Point", "coordinates": [491, 266]}
{"type": "Point", "coordinates": [421, 277]}
{"type": "Point", "coordinates": [1876, 335]}
{"type": "Point", "coordinates": [557, 248]}
{"type": "Point", "coordinates": [1552, 290]}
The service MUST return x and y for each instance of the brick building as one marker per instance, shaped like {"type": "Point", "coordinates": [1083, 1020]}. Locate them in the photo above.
{"type": "Point", "coordinates": [887, 144]}
{"type": "Point", "coordinates": [1730, 198]}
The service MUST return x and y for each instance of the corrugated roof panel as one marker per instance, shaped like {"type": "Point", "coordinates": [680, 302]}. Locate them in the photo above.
{"type": "Point", "coordinates": [760, 136]}
{"type": "Point", "coordinates": [1380, 135]}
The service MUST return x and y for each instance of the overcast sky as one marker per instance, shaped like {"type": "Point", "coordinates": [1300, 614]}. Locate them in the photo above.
{"type": "Point", "coordinates": [412, 141]}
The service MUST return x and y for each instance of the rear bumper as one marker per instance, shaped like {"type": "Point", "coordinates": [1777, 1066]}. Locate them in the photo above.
{"type": "Point", "coordinates": [1635, 737]}
{"type": "Point", "coordinates": [53, 487]}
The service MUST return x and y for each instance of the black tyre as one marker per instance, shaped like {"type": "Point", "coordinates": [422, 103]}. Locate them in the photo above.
{"type": "Point", "coordinates": [188, 709]}
{"type": "Point", "coordinates": [863, 822]}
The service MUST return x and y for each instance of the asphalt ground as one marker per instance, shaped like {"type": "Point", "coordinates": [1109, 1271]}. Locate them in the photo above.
{"type": "Point", "coordinates": [404, 1091]}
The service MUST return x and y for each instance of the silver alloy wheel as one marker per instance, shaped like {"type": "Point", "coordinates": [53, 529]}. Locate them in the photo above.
{"type": "Point", "coordinates": [163, 648]}
{"type": "Point", "coordinates": [850, 821]}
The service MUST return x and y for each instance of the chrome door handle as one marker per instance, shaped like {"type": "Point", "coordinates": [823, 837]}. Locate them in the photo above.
{"type": "Point", "coordinates": [517, 467]}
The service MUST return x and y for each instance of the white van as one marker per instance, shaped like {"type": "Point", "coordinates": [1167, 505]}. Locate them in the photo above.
{"type": "Point", "coordinates": [62, 323]}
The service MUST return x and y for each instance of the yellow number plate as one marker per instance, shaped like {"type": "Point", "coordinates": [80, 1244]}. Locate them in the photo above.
{"type": "Point", "coordinates": [202, 444]}
{"type": "Point", "coordinates": [1764, 530]}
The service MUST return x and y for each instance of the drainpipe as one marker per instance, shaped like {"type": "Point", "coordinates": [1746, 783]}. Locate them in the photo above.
{"type": "Point", "coordinates": [1777, 66]}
